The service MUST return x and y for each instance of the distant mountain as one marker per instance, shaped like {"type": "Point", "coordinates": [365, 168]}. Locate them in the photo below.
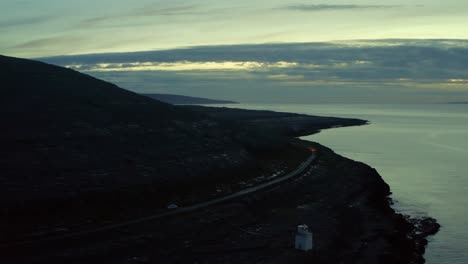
{"type": "Point", "coordinates": [181, 99]}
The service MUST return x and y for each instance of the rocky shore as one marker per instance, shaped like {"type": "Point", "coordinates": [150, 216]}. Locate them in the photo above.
{"type": "Point", "coordinates": [345, 203]}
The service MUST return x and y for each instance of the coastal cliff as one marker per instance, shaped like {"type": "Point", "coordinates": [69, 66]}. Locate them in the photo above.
{"type": "Point", "coordinates": [345, 204]}
{"type": "Point", "coordinates": [81, 154]}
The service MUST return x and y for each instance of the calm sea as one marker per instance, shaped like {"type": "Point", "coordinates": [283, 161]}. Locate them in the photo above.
{"type": "Point", "coordinates": [421, 151]}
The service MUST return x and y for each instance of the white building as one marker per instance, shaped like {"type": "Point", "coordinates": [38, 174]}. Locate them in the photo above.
{"type": "Point", "coordinates": [303, 238]}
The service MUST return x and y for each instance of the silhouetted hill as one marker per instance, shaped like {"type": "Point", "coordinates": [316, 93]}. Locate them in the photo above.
{"type": "Point", "coordinates": [181, 99]}
{"type": "Point", "coordinates": [65, 133]}
{"type": "Point", "coordinates": [77, 150]}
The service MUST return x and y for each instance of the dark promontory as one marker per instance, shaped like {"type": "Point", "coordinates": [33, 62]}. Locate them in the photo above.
{"type": "Point", "coordinates": [79, 154]}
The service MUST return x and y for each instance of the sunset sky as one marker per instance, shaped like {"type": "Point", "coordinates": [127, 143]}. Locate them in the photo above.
{"type": "Point", "coordinates": [32, 28]}
{"type": "Point", "coordinates": [253, 51]}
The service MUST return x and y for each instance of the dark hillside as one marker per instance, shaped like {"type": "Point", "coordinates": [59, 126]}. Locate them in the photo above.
{"type": "Point", "coordinates": [64, 132]}
{"type": "Point", "coordinates": [78, 150]}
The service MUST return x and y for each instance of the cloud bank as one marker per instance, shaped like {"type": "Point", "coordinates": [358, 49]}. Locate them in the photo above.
{"type": "Point", "coordinates": [383, 70]}
{"type": "Point", "coordinates": [327, 7]}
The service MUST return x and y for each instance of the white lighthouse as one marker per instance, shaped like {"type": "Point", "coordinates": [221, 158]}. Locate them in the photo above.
{"type": "Point", "coordinates": [303, 238]}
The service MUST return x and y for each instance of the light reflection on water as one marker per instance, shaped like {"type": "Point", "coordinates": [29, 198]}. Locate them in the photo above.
{"type": "Point", "coordinates": [421, 151]}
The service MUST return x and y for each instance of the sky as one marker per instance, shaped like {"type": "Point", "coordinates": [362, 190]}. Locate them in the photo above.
{"type": "Point", "coordinates": [264, 51]}
{"type": "Point", "coordinates": [32, 28]}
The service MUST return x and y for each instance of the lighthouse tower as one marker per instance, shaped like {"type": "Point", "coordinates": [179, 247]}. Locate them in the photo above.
{"type": "Point", "coordinates": [303, 238]}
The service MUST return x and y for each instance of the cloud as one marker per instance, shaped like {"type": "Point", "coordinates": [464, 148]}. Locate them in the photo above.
{"type": "Point", "coordinates": [169, 11]}
{"type": "Point", "coordinates": [144, 12]}
{"type": "Point", "coordinates": [465, 81]}
{"type": "Point", "coordinates": [327, 7]}
{"type": "Point", "coordinates": [20, 22]}
{"type": "Point", "coordinates": [48, 43]}
{"type": "Point", "coordinates": [181, 66]}
{"type": "Point", "coordinates": [291, 72]}
{"type": "Point", "coordinates": [285, 77]}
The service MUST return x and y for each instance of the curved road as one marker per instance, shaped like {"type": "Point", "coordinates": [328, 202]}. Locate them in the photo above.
{"type": "Point", "coordinates": [179, 210]}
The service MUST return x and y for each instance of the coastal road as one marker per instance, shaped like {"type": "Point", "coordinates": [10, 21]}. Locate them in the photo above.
{"type": "Point", "coordinates": [298, 171]}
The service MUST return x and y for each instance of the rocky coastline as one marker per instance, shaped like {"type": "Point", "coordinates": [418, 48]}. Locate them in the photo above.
{"type": "Point", "coordinates": [345, 203]}
{"type": "Point", "coordinates": [80, 154]}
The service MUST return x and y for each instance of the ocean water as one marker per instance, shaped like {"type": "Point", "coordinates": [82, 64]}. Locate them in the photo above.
{"type": "Point", "coordinates": [421, 151]}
